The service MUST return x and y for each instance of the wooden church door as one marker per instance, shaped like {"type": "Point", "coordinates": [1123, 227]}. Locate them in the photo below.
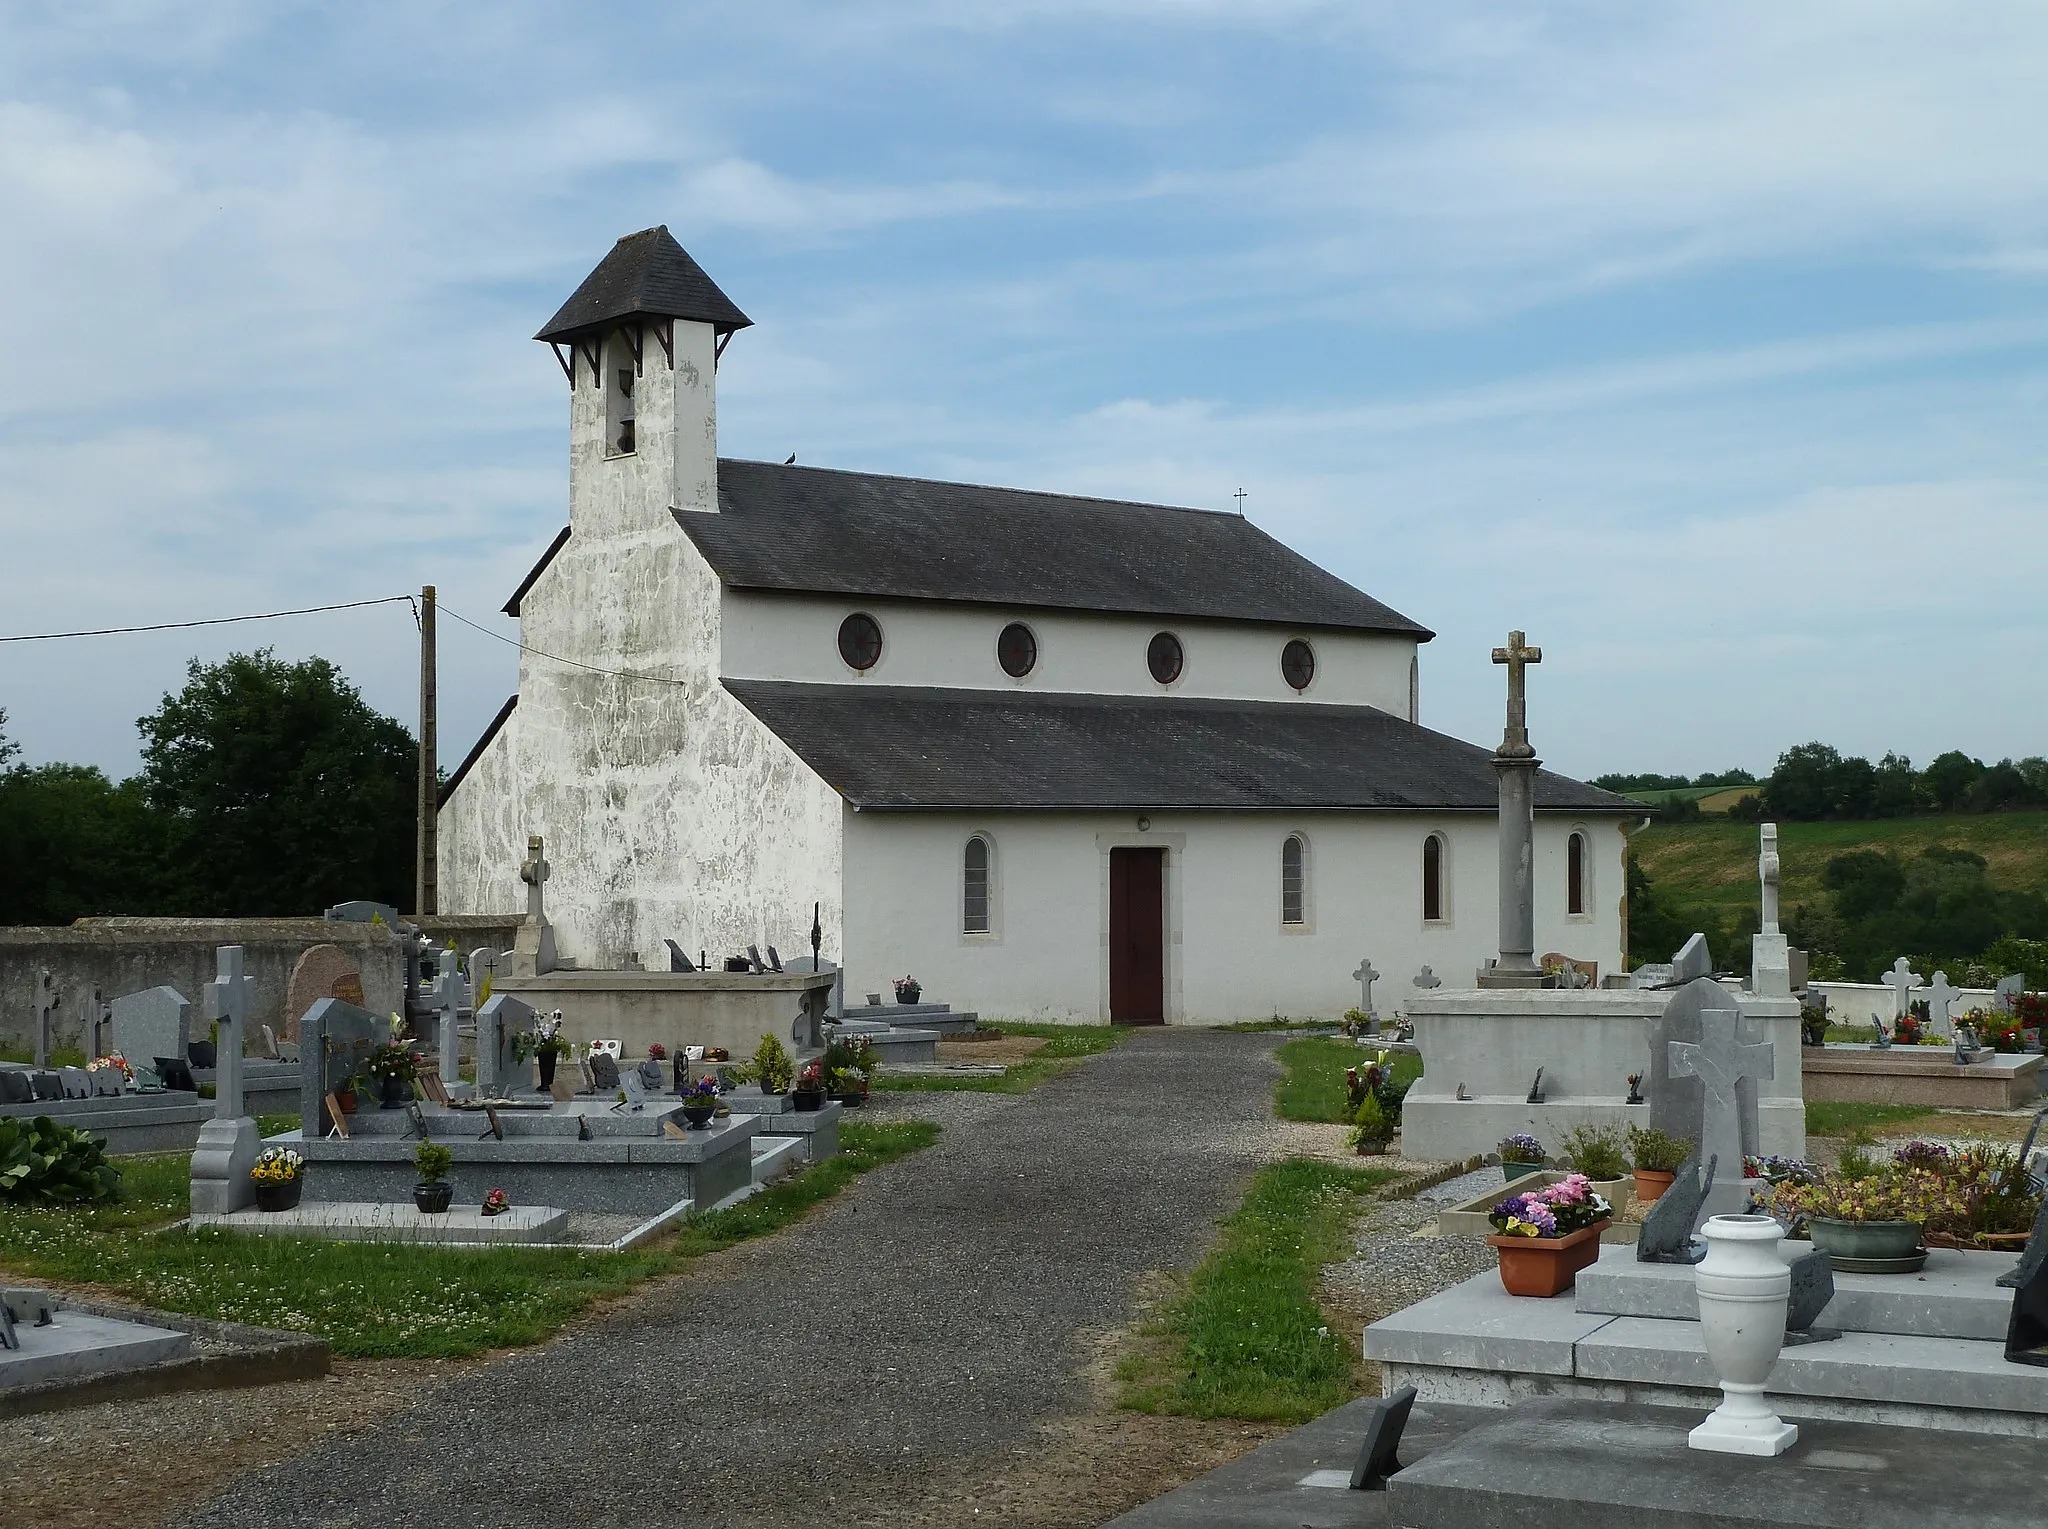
{"type": "Point", "coordinates": [1137, 936]}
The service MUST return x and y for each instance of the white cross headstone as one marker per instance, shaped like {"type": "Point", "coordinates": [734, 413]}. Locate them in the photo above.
{"type": "Point", "coordinates": [47, 994]}
{"type": "Point", "coordinates": [1365, 977]}
{"type": "Point", "coordinates": [1901, 979]}
{"type": "Point", "coordinates": [1723, 1057]}
{"type": "Point", "coordinates": [1767, 873]}
{"type": "Point", "coordinates": [1939, 998]}
{"type": "Point", "coordinates": [447, 1000]}
{"type": "Point", "coordinates": [534, 871]}
{"type": "Point", "coordinates": [483, 965]}
{"type": "Point", "coordinates": [1427, 979]}
{"type": "Point", "coordinates": [227, 1000]}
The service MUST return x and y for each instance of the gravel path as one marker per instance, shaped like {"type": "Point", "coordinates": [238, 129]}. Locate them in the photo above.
{"type": "Point", "coordinates": [942, 1309]}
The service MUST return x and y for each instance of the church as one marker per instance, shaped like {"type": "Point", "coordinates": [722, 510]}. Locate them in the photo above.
{"type": "Point", "coordinates": [1055, 757]}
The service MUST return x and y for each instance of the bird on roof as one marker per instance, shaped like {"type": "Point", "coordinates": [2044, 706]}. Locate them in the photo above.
{"type": "Point", "coordinates": [790, 460]}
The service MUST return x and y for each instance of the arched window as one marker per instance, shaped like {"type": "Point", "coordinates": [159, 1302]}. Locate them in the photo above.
{"type": "Point", "coordinates": [1293, 881]}
{"type": "Point", "coordinates": [622, 367]}
{"type": "Point", "coordinates": [1433, 879]}
{"type": "Point", "coordinates": [974, 887]}
{"type": "Point", "coordinates": [1575, 873]}
{"type": "Point", "coordinates": [1414, 688]}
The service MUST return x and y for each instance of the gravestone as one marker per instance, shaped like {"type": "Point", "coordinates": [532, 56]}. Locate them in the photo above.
{"type": "Point", "coordinates": [1901, 980]}
{"type": "Point", "coordinates": [482, 969]}
{"type": "Point", "coordinates": [533, 947]}
{"type": "Point", "coordinates": [1940, 1000]}
{"type": "Point", "coordinates": [754, 961]}
{"type": "Point", "coordinates": [2008, 989]}
{"type": "Point", "coordinates": [677, 961]}
{"type": "Point", "coordinates": [774, 959]}
{"type": "Point", "coordinates": [363, 910]}
{"type": "Point", "coordinates": [1770, 952]}
{"type": "Point", "coordinates": [634, 1084]}
{"type": "Point", "coordinates": [335, 1041]}
{"type": "Point", "coordinates": [604, 1072]}
{"type": "Point", "coordinates": [1676, 1099]}
{"type": "Point", "coordinates": [108, 1083]}
{"type": "Point", "coordinates": [2026, 1332]}
{"type": "Point", "coordinates": [446, 997]}
{"type": "Point", "coordinates": [1667, 1234]}
{"type": "Point", "coordinates": [498, 1071]}
{"type": "Point", "coordinates": [228, 1143]}
{"type": "Point", "coordinates": [320, 972]}
{"type": "Point", "coordinates": [47, 994]}
{"type": "Point", "coordinates": [155, 1022]}
{"type": "Point", "coordinates": [1723, 1059]}
{"type": "Point", "coordinates": [17, 1086]}
{"type": "Point", "coordinates": [77, 1082]}
{"type": "Point", "coordinates": [1693, 961]}
{"type": "Point", "coordinates": [1427, 979]}
{"type": "Point", "coordinates": [1813, 1286]}
{"type": "Point", "coordinates": [95, 1022]}
{"type": "Point", "coordinates": [1365, 977]}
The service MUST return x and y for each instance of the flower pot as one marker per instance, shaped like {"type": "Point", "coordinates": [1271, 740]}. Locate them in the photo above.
{"type": "Point", "coordinates": [1852, 1245]}
{"type": "Point", "coordinates": [283, 1196]}
{"type": "Point", "coordinates": [849, 1100]}
{"type": "Point", "coordinates": [770, 1090]}
{"type": "Point", "coordinates": [1744, 1286]}
{"type": "Point", "coordinates": [808, 1101]}
{"type": "Point", "coordinates": [1546, 1266]}
{"type": "Point", "coordinates": [395, 1093]}
{"type": "Point", "coordinates": [1650, 1185]}
{"type": "Point", "coordinates": [546, 1063]}
{"type": "Point", "coordinates": [699, 1115]}
{"type": "Point", "coordinates": [1374, 1148]}
{"type": "Point", "coordinates": [909, 994]}
{"type": "Point", "coordinates": [346, 1099]}
{"type": "Point", "coordinates": [432, 1199]}
{"type": "Point", "coordinates": [1509, 1172]}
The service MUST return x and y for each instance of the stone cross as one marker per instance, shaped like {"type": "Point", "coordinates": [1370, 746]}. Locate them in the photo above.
{"type": "Point", "coordinates": [534, 872]}
{"type": "Point", "coordinates": [47, 994]}
{"type": "Point", "coordinates": [1901, 979]}
{"type": "Point", "coordinates": [1517, 655]}
{"type": "Point", "coordinates": [1723, 1057]}
{"type": "Point", "coordinates": [1767, 871]}
{"type": "Point", "coordinates": [227, 1000]}
{"type": "Point", "coordinates": [1427, 979]}
{"type": "Point", "coordinates": [99, 1023]}
{"type": "Point", "coordinates": [1365, 977]}
{"type": "Point", "coordinates": [1939, 997]}
{"type": "Point", "coordinates": [446, 998]}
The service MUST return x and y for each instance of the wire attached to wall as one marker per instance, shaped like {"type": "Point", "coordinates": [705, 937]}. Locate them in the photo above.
{"type": "Point", "coordinates": [513, 642]}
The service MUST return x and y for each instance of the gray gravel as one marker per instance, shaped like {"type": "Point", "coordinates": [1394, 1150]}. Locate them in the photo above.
{"type": "Point", "coordinates": [1398, 1258]}
{"type": "Point", "coordinates": [938, 1310]}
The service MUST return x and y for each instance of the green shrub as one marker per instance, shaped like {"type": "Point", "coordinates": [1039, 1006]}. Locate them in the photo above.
{"type": "Point", "coordinates": [1653, 1151]}
{"type": "Point", "coordinates": [433, 1161]}
{"type": "Point", "coordinates": [1596, 1151]}
{"type": "Point", "coordinates": [773, 1066]}
{"type": "Point", "coordinates": [43, 1163]}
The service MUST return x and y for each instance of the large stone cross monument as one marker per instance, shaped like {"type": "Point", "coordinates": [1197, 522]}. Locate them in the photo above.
{"type": "Point", "coordinates": [228, 1143]}
{"type": "Point", "coordinates": [1722, 1059]}
{"type": "Point", "coordinates": [533, 948]}
{"type": "Point", "coordinates": [1770, 957]}
{"type": "Point", "coordinates": [1515, 762]}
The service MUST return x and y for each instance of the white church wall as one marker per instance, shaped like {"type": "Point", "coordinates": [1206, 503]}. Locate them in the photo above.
{"type": "Point", "coordinates": [795, 637]}
{"type": "Point", "coordinates": [666, 808]}
{"type": "Point", "coordinates": [1228, 956]}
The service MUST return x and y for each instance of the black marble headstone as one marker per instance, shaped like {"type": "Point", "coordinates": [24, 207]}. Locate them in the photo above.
{"type": "Point", "coordinates": [1667, 1237]}
{"type": "Point", "coordinates": [202, 1053]}
{"type": "Point", "coordinates": [1535, 1088]}
{"type": "Point", "coordinates": [604, 1073]}
{"type": "Point", "coordinates": [1376, 1461]}
{"type": "Point", "coordinates": [2026, 1331]}
{"type": "Point", "coordinates": [15, 1087]}
{"type": "Point", "coordinates": [1813, 1286]}
{"type": "Point", "coordinates": [47, 1085]}
{"type": "Point", "coordinates": [677, 961]}
{"type": "Point", "coordinates": [176, 1075]}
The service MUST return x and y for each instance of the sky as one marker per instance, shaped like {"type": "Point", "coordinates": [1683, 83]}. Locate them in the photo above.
{"type": "Point", "coordinates": [1707, 344]}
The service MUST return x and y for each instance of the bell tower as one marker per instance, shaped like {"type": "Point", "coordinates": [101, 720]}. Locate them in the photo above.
{"type": "Point", "coordinates": [639, 341]}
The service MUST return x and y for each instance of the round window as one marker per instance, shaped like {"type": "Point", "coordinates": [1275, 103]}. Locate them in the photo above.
{"type": "Point", "coordinates": [1163, 657]}
{"type": "Point", "coordinates": [860, 641]}
{"type": "Point", "coordinates": [1017, 650]}
{"type": "Point", "coordinates": [1298, 664]}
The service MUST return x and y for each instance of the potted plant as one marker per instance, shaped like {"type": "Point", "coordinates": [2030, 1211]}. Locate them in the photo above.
{"type": "Point", "coordinates": [908, 989]}
{"type": "Point", "coordinates": [394, 1067]}
{"type": "Point", "coordinates": [1520, 1156]}
{"type": "Point", "coordinates": [1596, 1151]}
{"type": "Point", "coordinates": [772, 1066]}
{"type": "Point", "coordinates": [1370, 1128]}
{"type": "Point", "coordinates": [279, 1177]}
{"type": "Point", "coordinates": [1657, 1158]}
{"type": "Point", "coordinates": [1545, 1236]}
{"type": "Point", "coordinates": [1813, 1025]}
{"type": "Point", "coordinates": [700, 1102]}
{"type": "Point", "coordinates": [544, 1045]}
{"type": "Point", "coordinates": [433, 1192]}
{"type": "Point", "coordinates": [849, 1065]}
{"type": "Point", "coordinates": [809, 1093]}
{"type": "Point", "coordinates": [1872, 1223]}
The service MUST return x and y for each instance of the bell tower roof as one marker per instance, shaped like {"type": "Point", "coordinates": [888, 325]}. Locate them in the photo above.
{"type": "Point", "coordinates": [646, 275]}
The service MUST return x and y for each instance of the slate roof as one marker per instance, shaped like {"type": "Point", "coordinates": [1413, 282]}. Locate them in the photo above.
{"type": "Point", "coordinates": [647, 275]}
{"type": "Point", "coordinates": [476, 751]}
{"type": "Point", "coordinates": [867, 535]}
{"type": "Point", "coordinates": [904, 749]}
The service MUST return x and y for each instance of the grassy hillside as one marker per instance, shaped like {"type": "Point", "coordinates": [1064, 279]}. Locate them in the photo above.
{"type": "Point", "coordinates": [1713, 862]}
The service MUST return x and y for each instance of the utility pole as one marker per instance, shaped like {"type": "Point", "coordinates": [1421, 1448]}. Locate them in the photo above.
{"type": "Point", "coordinates": [426, 884]}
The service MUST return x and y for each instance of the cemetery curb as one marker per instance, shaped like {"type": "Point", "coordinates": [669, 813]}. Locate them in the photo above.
{"type": "Point", "coordinates": [1410, 1187]}
{"type": "Point", "coordinates": [257, 1356]}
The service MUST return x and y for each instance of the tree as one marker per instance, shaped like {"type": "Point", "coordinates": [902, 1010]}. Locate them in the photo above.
{"type": "Point", "coordinates": [1948, 780]}
{"type": "Point", "coordinates": [74, 845]}
{"type": "Point", "coordinates": [280, 790]}
{"type": "Point", "coordinates": [1801, 789]}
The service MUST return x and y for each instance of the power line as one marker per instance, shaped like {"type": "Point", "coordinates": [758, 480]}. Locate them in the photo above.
{"type": "Point", "coordinates": [513, 642]}
{"type": "Point", "coordinates": [173, 626]}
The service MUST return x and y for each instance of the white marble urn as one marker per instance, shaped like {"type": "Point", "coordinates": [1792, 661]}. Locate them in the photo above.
{"type": "Point", "coordinates": [1744, 1284]}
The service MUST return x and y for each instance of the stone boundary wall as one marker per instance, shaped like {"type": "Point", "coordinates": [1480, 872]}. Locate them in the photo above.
{"type": "Point", "coordinates": [127, 955]}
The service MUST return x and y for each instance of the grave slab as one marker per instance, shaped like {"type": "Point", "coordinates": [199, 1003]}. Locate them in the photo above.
{"type": "Point", "coordinates": [1924, 1075]}
{"type": "Point", "coordinates": [1479, 1326]}
{"type": "Point", "coordinates": [76, 1345]}
{"type": "Point", "coordinates": [388, 1221]}
{"type": "Point", "coordinates": [1598, 1465]}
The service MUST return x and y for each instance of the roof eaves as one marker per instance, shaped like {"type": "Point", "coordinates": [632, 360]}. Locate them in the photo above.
{"type": "Point", "coordinates": [539, 568]}
{"type": "Point", "coordinates": [498, 722]}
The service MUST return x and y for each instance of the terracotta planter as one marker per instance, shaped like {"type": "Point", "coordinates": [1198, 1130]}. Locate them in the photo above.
{"type": "Point", "coordinates": [1546, 1266]}
{"type": "Point", "coordinates": [1650, 1186]}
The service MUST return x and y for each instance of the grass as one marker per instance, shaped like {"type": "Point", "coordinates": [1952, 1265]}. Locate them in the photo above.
{"type": "Point", "coordinates": [60, 1056]}
{"type": "Point", "coordinates": [1716, 862]}
{"type": "Point", "coordinates": [1313, 1088]}
{"type": "Point", "coordinates": [1066, 1046]}
{"type": "Point", "coordinates": [1246, 1338]}
{"type": "Point", "coordinates": [378, 1301]}
{"type": "Point", "coordinates": [1849, 1117]}
{"type": "Point", "coordinates": [1279, 1022]}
